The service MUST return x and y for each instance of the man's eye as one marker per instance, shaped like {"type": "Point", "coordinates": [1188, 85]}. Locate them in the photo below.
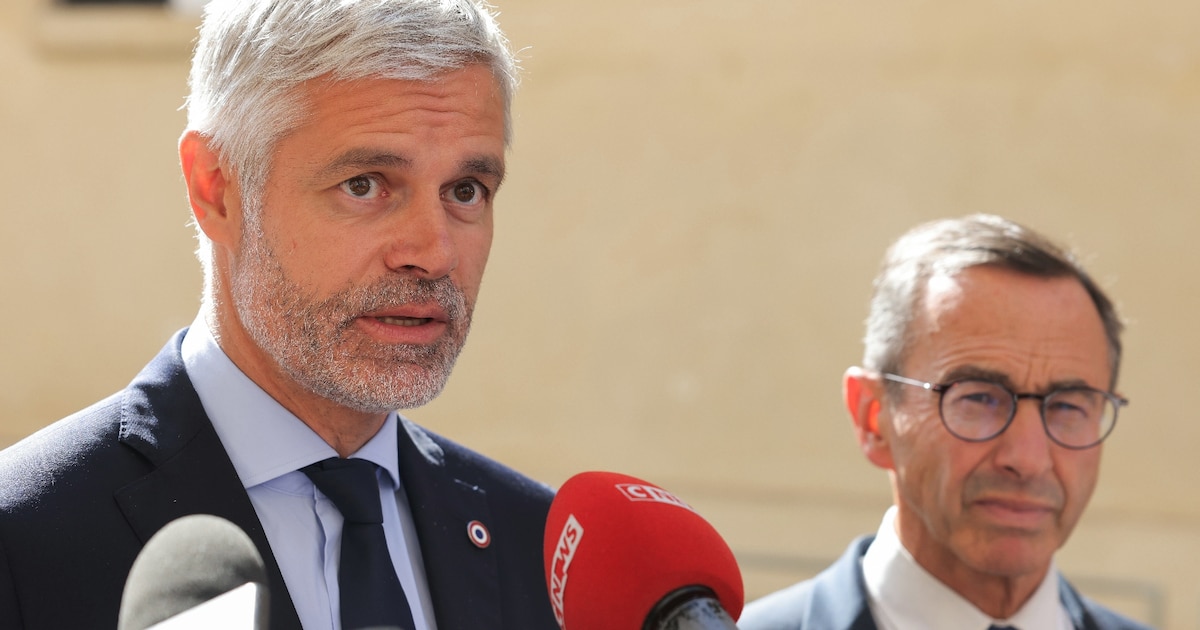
{"type": "Point", "coordinates": [982, 398]}
{"type": "Point", "coordinates": [468, 192]}
{"type": "Point", "coordinates": [362, 187]}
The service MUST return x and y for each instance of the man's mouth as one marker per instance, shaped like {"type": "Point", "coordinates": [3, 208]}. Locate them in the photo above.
{"type": "Point", "coordinates": [404, 321]}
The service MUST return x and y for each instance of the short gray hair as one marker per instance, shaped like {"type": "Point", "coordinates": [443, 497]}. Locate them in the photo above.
{"type": "Point", "coordinates": [950, 246]}
{"type": "Point", "coordinates": [253, 56]}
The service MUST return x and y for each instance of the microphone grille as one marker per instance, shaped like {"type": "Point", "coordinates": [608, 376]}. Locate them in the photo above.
{"type": "Point", "coordinates": [188, 562]}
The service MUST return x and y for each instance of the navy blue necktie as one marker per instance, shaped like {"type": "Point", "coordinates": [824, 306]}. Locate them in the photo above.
{"type": "Point", "coordinates": [370, 592]}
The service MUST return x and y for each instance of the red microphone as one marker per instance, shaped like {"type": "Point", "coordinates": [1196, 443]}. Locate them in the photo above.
{"type": "Point", "coordinates": [623, 554]}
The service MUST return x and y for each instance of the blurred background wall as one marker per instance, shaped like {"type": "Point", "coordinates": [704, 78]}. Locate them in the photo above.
{"type": "Point", "coordinates": [699, 194]}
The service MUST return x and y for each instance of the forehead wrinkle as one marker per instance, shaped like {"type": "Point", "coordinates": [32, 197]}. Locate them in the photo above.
{"type": "Point", "coordinates": [1053, 363]}
{"type": "Point", "coordinates": [1016, 367]}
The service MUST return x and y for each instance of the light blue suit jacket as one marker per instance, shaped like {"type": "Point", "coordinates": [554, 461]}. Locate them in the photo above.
{"type": "Point", "coordinates": [836, 599]}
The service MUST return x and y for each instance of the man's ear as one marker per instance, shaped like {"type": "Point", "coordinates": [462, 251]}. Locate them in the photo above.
{"type": "Point", "coordinates": [211, 189]}
{"type": "Point", "coordinates": [863, 395]}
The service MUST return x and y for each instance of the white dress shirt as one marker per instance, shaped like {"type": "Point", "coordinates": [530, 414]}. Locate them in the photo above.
{"type": "Point", "coordinates": [268, 446]}
{"type": "Point", "coordinates": [904, 596]}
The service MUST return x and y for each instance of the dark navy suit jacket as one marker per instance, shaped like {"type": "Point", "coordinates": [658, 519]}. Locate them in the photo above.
{"type": "Point", "coordinates": [80, 498]}
{"type": "Point", "coordinates": [836, 599]}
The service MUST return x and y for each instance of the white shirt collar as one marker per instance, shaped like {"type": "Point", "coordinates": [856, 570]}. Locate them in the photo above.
{"type": "Point", "coordinates": [902, 594]}
{"type": "Point", "coordinates": [264, 440]}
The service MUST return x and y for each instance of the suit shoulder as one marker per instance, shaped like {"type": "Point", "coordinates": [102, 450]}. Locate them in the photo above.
{"type": "Point", "coordinates": [474, 467]}
{"type": "Point", "coordinates": [835, 598]}
{"type": "Point", "coordinates": [1087, 613]}
{"type": "Point", "coordinates": [1106, 619]}
{"type": "Point", "coordinates": [493, 475]}
{"type": "Point", "coordinates": [59, 455]}
{"type": "Point", "coordinates": [1109, 620]}
{"type": "Point", "coordinates": [784, 609]}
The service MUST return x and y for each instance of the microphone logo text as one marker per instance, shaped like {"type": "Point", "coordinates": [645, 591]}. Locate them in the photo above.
{"type": "Point", "coordinates": [645, 492]}
{"type": "Point", "coordinates": [564, 552]}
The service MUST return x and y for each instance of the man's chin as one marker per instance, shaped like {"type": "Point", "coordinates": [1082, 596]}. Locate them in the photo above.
{"type": "Point", "coordinates": [413, 387]}
{"type": "Point", "coordinates": [1016, 556]}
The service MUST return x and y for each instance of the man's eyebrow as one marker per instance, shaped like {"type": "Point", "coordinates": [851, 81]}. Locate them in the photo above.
{"type": "Point", "coordinates": [978, 373]}
{"type": "Point", "coordinates": [363, 159]}
{"type": "Point", "coordinates": [484, 165]}
{"type": "Point", "coordinates": [974, 372]}
{"type": "Point", "coordinates": [1071, 383]}
{"type": "Point", "coordinates": [366, 159]}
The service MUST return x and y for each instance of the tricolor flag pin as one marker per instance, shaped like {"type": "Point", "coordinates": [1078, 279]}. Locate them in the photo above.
{"type": "Point", "coordinates": [479, 534]}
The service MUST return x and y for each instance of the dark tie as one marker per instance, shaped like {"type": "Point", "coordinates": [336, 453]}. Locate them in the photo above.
{"type": "Point", "coordinates": [370, 592]}
{"type": "Point", "coordinates": [995, 627]}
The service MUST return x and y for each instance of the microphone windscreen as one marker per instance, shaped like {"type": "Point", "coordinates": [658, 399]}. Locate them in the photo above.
{"type": "Point", "coordinates": [188, 562]}
{"type": "Point", "coordinates": [616, 545]}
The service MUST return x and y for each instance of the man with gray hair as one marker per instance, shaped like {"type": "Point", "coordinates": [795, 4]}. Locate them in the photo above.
{"type": "Point", "coordinates": [986, 390]}
{"type": "Point", "coordinates": [341, 161]}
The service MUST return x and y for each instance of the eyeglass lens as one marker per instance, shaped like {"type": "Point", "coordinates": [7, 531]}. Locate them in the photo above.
{"type": "Point", "coordinates": [980, 410]}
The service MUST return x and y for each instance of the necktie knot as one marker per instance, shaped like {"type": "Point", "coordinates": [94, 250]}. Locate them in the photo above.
{"type": "Point", "coordinates": [996, 627]}
{"type": "Point", "coordinates": [351, 485]}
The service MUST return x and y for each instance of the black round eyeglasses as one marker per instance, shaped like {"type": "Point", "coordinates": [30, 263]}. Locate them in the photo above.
{"type": "Point", "coordinates": [978, 410]}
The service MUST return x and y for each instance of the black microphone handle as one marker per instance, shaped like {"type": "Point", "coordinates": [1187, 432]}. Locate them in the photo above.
{"type": "Point", "coordinates": [689, 608]}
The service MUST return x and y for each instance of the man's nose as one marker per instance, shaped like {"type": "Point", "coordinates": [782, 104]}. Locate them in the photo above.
{"type": "Point", "coordinates": [1024, 448]}
{"type": "Point", "coordinates": [422, 242]}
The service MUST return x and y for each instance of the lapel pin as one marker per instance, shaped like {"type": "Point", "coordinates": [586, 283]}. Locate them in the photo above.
{"type": "Point", "coordinates": [479, 534]}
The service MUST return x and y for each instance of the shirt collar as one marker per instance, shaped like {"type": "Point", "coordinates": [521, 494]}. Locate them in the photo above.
{"type": "Point", "coordinates": [264, 440]}
{"type": "Point", "coordinates": [905, 595]}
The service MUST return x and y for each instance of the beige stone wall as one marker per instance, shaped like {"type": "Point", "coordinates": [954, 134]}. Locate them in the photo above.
{"type": "Point", "coordinates": [700, 192]}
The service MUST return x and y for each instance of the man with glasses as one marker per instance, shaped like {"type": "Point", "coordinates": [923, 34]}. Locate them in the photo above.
{"type": "Point", "coordinates": [986, 390]}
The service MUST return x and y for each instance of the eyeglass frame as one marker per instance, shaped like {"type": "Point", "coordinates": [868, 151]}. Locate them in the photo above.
{"type": "Point", "coordinates": [941, 389]}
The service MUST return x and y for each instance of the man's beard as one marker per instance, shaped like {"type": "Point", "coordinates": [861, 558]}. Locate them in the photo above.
{"type": "Point", "coordinates": [316, 344]}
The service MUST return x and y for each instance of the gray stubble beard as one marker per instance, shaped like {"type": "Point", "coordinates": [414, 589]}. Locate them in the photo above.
{"type": "Point", "coordinates": [309, 340]}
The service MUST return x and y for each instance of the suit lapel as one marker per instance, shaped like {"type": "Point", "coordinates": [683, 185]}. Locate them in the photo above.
{"type": "Point", "coordinates": [1073, 603]}
{"type": "Point", "coordinates": [463, 581]}
{"type": "Point", "coordinates": [164, 421]}
{"type": "Point", "coordinates": [839, 594]}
